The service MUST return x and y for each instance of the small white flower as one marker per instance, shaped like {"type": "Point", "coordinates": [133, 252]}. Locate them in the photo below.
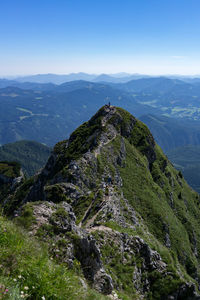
{"type": "Point", "coordinates": [22, 292]}
{"type": "Point", "coordinates": [19, 276]}
{"type": "Point", "coordinates": [14, 279]}
{"type": "Point", "coordinates": [26, 288]}
{"type": "Point", "coordinates": [43, 297]}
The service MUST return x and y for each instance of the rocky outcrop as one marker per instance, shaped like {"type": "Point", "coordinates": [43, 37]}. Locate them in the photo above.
{"type": "Point", "coordinates": [89, 255]}
{"type": "Point", "coordinates": [79, 245]}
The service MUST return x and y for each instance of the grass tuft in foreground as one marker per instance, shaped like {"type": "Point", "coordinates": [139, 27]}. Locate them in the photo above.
{"type": "Point", "coordinates": [27, 271]}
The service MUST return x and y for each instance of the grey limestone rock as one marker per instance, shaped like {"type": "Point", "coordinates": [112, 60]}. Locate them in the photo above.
{"type": "Point", "coordinates": [89, 255]}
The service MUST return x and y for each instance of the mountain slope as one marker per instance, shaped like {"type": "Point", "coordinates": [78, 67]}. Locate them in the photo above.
{"type": "Point", "coordinates": [32, 156]}
{"type": "Point", "coordinates": [110, 199]}
{"type": "Point", "coordinates": [187, 160]}
{"type": "Point", "coordinates": [26, 85]}
{"type": "Point", "coordinates": [158, 85]}
{"type": "Point", "coordinates": [170, 133]}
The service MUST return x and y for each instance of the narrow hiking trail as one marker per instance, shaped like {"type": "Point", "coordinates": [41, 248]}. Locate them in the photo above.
{"type": "Point", "coordinates": [111, 111]}
{"type": "Point", "coordinates": [105, 201]}
{"type": "Point", "coordinates": [100, 228]}
{"type": "Point", "coordinates": [106, 198]}
{"type": "Point", "coordinates": [101, 144]}
{"type": "Point", "coordinates": [81, 222]}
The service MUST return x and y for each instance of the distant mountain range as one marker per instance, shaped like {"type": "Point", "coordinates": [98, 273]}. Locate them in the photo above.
{"type": "Point", "coordinates": [48, 112]}
{"type": "Point", "coordinates": [59, 79]}
{"type": "Point", "coordinates": [114, 78]}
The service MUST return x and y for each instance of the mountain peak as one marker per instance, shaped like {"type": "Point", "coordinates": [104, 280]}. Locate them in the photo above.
{"type": "Point", "coordinates": [121, 208]}
{"type": "Point", "coordinates": [108, 123]}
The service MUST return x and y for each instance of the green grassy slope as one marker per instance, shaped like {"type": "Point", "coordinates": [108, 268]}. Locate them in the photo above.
{"type": "Point", "coordinates": [156, 191]}
{"type": "Point", "coordinates": [28, 271]}
{"type": "Point", "coordinates": [163, 200]}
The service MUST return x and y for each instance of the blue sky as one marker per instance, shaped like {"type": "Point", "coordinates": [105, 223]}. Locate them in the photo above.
{"type": "Point", "coordinates": [99, 36]}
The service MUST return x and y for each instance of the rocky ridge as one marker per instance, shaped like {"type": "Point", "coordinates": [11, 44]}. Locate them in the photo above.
{"type": "Point", "coordinates": [109, 200]}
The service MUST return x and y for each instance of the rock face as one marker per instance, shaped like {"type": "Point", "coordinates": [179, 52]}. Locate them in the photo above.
{"type": "Point", "coordinates": [89, 256]}
{"type": "Point", "coordinates": [114, 207]}
{"type": "Point", "coordinates": [61, 220]}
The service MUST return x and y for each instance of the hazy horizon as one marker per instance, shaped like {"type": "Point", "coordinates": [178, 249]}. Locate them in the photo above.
{"type": "Point", "coordinates": [129, 73]}
{"type": "Point", "coordinates": [117, 74]}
